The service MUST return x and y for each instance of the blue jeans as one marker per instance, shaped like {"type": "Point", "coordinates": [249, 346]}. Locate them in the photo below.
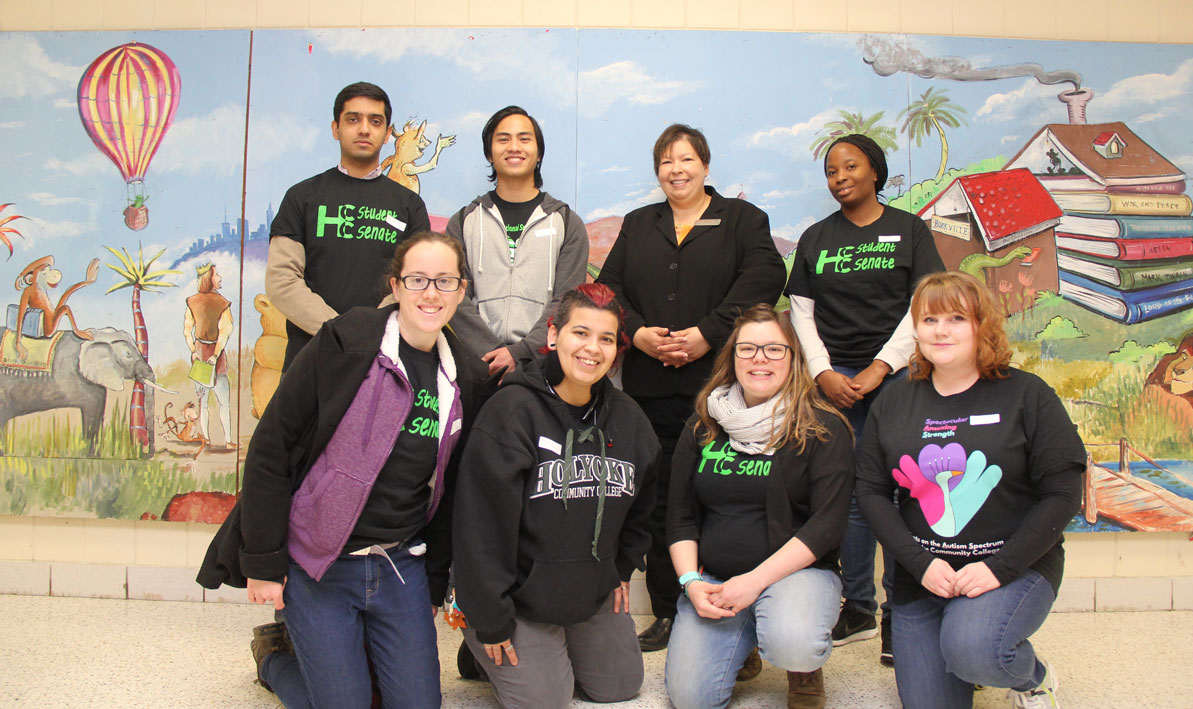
{"type": "Point", "coordinates": [358, 602]}
{"type": "Point", "coordinates": [859, 545]}
{"type": "Point", "coordinates": [791, 624]}
{"type": "Point", "coordinates": [944, 646]}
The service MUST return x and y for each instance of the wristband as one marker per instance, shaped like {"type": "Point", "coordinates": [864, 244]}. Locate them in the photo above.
{"type": "Point", "coordinates": [689, 578]}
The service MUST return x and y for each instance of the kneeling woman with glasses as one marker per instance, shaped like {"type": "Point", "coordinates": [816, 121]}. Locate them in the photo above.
{"type": "Point", "coordinates": [342, 518]}
{"type": "Point", "coordinates": [760, 491]}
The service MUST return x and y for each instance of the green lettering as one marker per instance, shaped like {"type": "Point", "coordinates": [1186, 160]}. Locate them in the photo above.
{"type": "Point", "coordinates": [840, 261]}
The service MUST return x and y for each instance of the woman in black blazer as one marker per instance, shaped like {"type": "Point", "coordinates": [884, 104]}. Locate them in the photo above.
{"type": "Point", "coordinates": [684, 269]}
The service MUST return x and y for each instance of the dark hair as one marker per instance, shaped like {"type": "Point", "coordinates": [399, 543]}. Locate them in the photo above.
{"type": "Point", "coordinates": [954, 291]}
{"type": "Point", "coordinates": [357, 90]}
{"type": "Point", "coordinates": [597, 296]}
{"type": "Point", "coordinates": [871, 150]}
{"type": "Point", "coordinates": [799, 392]}
{"type": "Point", "coordinates": [491, 128]}
{"type": "Point", "coordinates": [676, 132]}
{"type": "Point", "coordinates": [399, 260]}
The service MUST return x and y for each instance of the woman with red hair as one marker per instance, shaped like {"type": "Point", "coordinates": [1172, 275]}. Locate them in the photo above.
{"type": "Point", "coordinates": [986, 468]}
{"type": "Point", "coordinates": [556, 490]}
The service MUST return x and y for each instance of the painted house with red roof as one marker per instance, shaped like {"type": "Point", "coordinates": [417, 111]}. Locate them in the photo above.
{"type": "Point", "coordinates": [998, 227]}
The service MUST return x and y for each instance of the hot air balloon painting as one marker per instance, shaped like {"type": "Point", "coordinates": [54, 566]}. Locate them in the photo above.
{"type": "Point", "coordinates": [127, 100]}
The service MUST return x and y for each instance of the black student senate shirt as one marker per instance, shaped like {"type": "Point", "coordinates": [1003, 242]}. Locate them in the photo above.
{"type": "Point", "coordinates": [731, 488]}
{"type": "Point", "coordinates": [348, 228]}
{"type": "Point", "coordinates": [861, 279]}
{"type": "Point", "coordinates": [990, 474]}
{"type": "Point", "coordinates": [397, 506]}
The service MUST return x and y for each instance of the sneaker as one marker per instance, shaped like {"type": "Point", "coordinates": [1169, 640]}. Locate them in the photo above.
{"type": "Point", "coordinates": [467, 665]}
{"type": "Point", "coordinates": [752, 668]}
{"type": "Point", "coordinates": [805, 690]}
{"type": "Point", "coordinates": [887, 655]}
{"type": "Point", "coordinates": [1042, 697]}
{"type": "Point", "coordinates": [268, 639]}
{"type": "Point", "coordinates": [853, 624]}
{"type": "Point", "coordinates": [656, 636]}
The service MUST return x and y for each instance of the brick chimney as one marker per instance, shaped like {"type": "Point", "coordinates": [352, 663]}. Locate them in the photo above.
{"type": "Point", "coordinates": [1075, 101]}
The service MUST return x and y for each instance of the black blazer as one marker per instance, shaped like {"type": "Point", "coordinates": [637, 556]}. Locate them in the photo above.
{"type": "Point", "coordinates": [727, 263]}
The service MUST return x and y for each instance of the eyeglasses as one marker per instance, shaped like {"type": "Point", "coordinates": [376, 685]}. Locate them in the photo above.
{"type": "Point", "coordinates": [443, 284]}
{"type": "Point", "coordinates": [747, 350]}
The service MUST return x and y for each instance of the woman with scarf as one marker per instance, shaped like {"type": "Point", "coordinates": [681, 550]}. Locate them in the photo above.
{"type": "Point", "coordinates": [347, 489]}
{"type": "Point", "coordinates": [556, 488]}
{"type": "Point", "coordinates": [760, 493]}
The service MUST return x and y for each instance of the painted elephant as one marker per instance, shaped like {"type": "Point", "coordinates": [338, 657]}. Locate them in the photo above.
{"type": "Point", "coordinates": [81, 374]}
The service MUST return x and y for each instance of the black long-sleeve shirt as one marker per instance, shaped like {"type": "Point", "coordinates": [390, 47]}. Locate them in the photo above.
{"type": "Point", "coordinates": [990, 474]}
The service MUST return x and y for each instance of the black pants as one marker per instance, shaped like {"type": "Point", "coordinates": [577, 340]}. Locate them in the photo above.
{"type": "Point", "coordinates": [667, 416]}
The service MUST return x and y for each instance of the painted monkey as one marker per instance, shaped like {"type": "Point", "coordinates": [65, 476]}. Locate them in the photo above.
{"type": "Point", "coordinates": [34, 283]}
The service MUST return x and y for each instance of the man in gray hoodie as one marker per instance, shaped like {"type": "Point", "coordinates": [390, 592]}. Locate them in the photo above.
{"type": "Point", "coordinates": [524, 247]}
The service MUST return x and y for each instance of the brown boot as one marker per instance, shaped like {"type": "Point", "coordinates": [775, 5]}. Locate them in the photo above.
{"type": "Point", "coordinates": [752, 668]}
{"type": "Point", "coordinates": [805, 690]}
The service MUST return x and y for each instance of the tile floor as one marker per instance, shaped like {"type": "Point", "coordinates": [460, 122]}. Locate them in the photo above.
{"type": "Point", "coordinates": [90, 652]}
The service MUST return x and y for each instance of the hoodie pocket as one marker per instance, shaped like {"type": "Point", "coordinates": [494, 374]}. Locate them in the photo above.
{"type": "Point", "coordinates": [323, 514]}
{"type": "Point", "coordinates": [566, 592]}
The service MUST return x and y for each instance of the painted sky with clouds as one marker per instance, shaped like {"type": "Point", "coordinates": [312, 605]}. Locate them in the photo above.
{"type": "Point", "coordinates": [602, 96]}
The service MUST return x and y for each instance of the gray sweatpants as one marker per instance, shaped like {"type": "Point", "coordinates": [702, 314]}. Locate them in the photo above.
{"type": "Point", "coordinates": [600, 657]}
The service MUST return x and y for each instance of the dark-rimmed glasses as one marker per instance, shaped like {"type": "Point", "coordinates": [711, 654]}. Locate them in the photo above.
{"type": "Point", "coordinates": [747, 350]}
{"type": "Point", "coordinates": [443, 284]}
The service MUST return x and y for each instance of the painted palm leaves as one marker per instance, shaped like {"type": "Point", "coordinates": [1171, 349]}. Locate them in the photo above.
{"type": "Point", "coordinates": [932, 111]}
{"type": "Point", "coordinates": [6, 230]}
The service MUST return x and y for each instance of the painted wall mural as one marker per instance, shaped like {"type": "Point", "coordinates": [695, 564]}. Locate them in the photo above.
{"type": "Point", "coordinates": [1055, 172]}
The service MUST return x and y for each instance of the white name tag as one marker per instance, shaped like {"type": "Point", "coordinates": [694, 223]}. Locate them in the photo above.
{"type": "Point", "coordinates": [395, 223]}
{"type": "Point", "coordinates": [545, 231]}
{"type": "Point", "coordinates": [887, 238]}
{"type": "Point", "coordinates": [550, 445]}
{"type": "Point", "coordinates": [983, 419]}
{"type": "Point", "coordinates": [456, 425]}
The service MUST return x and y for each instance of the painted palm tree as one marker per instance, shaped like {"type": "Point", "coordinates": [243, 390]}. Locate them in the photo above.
{"type": "Point", "coordinates": [849, 123]}
{"type": "Point", "coordinates": [136, 275]}
{"type": "Point", "coordinates": [5, 230]}
{"type": "Point", "coordinates": [932, 111]}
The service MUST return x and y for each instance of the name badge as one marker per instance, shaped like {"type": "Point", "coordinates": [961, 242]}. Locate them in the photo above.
{"type": "Point", "coordinates": [888, 238]}
{"type": "Point", "coordinates": [545, 231]}
{"type": "Point", "coordinates": [550, 445]}
{"type": "Point", "coordinates": [456, 426]}
{"type": "Point", "coordinates": [395, 223]}
{"type": "Point", "coordinates": [983, 419]}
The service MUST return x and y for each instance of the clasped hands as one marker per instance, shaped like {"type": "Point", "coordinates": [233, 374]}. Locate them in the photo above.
{"type": "Point", "coordinates": [845, 391]}
{"type": "Point", "coordinates": [674, 348]}
{"type": "Point", "coordinates": [725, 599]}
{"type": "Point", "coordinates": [971, 580]}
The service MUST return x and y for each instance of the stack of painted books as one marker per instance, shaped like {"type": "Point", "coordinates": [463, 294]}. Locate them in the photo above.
{"type": "Point", "coordinates": [1127, 256]}
{"type": "Point", "coordinates": [1125, 242]}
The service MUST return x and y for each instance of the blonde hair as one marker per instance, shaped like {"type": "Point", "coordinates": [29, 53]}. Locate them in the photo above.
{"type": "Point", "coordinates": [799, 393]}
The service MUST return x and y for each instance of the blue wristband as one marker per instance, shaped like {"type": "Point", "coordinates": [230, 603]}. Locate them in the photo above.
{"type": "Point", "coordinates": [689, 578]}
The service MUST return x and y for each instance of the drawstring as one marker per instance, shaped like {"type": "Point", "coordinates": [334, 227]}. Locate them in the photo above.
{"type": "Point", "coordinates": [602, 475]}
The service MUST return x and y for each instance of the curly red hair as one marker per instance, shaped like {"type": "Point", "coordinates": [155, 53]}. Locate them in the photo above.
{"type": "Point", "coordinates": [956, 292]}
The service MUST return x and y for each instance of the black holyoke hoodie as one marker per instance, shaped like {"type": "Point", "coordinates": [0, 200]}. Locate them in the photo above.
{"type": "Point", "coordinates": [521, 547]}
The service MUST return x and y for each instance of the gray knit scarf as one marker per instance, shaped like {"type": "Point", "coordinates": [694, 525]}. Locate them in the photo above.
{"type": "Point", "coordinates": [749, 427]}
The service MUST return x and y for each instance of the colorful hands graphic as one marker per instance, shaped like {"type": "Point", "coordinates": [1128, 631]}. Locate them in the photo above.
{"type": "Point", "coordinates": [949, 487]}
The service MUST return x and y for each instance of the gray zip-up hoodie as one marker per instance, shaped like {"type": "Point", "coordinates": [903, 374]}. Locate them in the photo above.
{"type": "Point", "coordinates": [507, 305]}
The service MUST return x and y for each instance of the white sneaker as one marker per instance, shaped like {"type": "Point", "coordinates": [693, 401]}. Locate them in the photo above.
{"type": "Point", "coordinates": [1042, 697]}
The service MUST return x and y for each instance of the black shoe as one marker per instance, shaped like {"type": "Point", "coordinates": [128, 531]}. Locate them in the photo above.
{"type": "Point", "coordinates": [467, 665]}
{"type": "Point", "coordinates": [656, 636]}
{"type": "Point", "coordinates": [887, 656]}
{"type": "Point", "coordinates": [853, 624]}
